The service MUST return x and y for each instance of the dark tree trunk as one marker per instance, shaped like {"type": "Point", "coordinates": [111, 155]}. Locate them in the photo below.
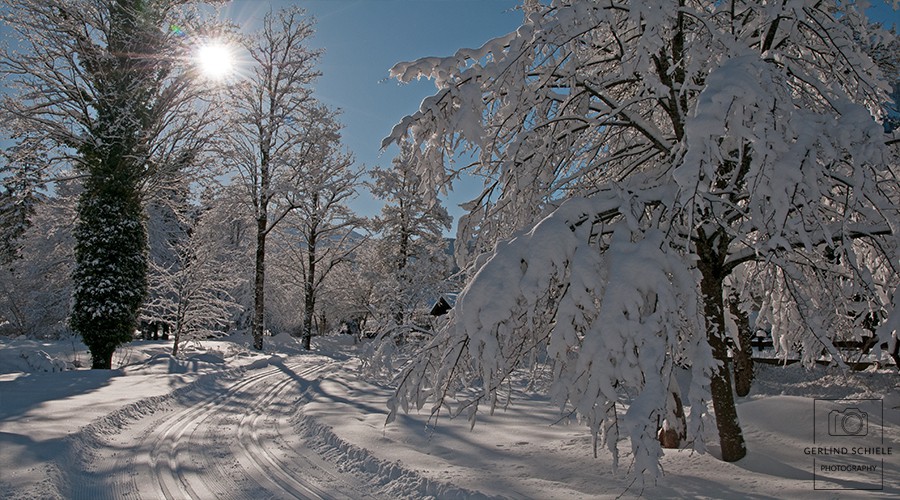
{"type": "Point", "coordinates": [101, 358]}
{"type": "Point", "coordinates": [674, 433]}
{"type": "Point", "coordinates": [259, 284]}
{"type": "Point", "coordinates": [402, 261]}
{"type": "Point", "coordinates": [731, 437]}
{"type": "Point", "coordinates": [177, 339]}
{"type": "Point", "coordinates": [309, 305]}
{"type": "Point", "coordinates": [309, 302]}
{"type": "Point", "coordinates": [743, 353]}
{"type": "Point", "coordinates": [179, 325]}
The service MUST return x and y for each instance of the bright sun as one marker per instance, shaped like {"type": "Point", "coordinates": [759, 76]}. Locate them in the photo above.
{"type": "Point", "coordinates": [216, 61]}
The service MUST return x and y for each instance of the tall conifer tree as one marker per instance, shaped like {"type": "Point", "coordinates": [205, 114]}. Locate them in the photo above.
{"type": "Point", "coordinates": [105, 86]}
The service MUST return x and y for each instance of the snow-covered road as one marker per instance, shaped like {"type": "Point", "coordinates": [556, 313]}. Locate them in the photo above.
{"type": "Point", "coordinates": [220, 422]}
{"type": "Point", "coordinates": [230, 438]}
{"type": "Point", "coordinates": [225, 422]}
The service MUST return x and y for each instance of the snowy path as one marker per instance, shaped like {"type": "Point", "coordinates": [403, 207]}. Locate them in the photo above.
{"type": "Point", "coordinates": [226, 423]}
{"type": "Point", "coordinates": [225, 443]}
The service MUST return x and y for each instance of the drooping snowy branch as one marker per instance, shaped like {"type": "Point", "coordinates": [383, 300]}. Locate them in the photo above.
{"type": "Point", "coordinates": [672, 144]}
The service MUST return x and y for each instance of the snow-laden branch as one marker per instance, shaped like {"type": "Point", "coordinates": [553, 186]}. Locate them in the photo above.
{"type": "Point", "coordinates": [639, 158]}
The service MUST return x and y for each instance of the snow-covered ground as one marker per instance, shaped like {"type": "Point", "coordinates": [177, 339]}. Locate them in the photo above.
{"type": "Point", "coordinates": [223, 422]}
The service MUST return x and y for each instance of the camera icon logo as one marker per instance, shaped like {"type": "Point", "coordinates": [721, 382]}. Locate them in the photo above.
{"type": "Point", "coordinates": [850, 422]}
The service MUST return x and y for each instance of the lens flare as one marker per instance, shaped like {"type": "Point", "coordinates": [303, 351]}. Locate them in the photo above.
{"type": "Point", "coordinates": [216, 60]}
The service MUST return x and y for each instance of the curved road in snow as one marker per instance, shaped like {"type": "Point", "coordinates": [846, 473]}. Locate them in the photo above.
{"type": "Point", "coordinates": [229, 440]}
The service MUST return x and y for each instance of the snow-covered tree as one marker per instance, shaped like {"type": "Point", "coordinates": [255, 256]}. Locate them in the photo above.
{"type": "Point", "coordinates": [36, 287]}
{"type": "Point", "coordinates": [272, 126]}
{"type": "Point", "coordinates": [169, 220]}
{"type": "Point", "coordinates": [887, 57]}
{"type": "Point", "coordinates": [351, 293]}
{"type": "Point", "coordinates": [237, 240]}
{"type": "Point", "coordinates": [645, 151]}
{"type": "Point", "coordinates": [347, 294]}
{"type": "Point", "coordinates": [319, 233]}
{"type": "Point", "coordinates": [21, 182]}
{"type": "Point", "coordinates": [411, 243]}
{"type": "Point", "coordinates": [105, 87]}
{"type": "Point", "coordinates": [192, 291]}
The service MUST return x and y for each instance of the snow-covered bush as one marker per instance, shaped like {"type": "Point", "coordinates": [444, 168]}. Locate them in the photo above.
{"type": "Point", "coordinates": [40, 361]}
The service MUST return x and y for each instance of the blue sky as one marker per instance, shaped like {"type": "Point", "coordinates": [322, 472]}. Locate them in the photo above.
{"type": "Point", "coordinates": [363, 39]}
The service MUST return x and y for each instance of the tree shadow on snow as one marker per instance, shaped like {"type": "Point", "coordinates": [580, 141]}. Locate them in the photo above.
{"type": "Point", "coordinates": [19, 396]}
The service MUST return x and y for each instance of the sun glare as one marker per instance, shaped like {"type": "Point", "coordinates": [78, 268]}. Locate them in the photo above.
{"type": "Point", "coordinates": [216, 61]}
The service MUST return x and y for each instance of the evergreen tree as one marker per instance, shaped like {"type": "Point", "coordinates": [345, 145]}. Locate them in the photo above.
{"type": "Point", "coordinates": [103, 84]}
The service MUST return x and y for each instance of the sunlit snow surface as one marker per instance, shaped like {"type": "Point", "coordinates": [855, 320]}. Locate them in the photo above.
{"type": "Point", "coordinates": [222, 422]}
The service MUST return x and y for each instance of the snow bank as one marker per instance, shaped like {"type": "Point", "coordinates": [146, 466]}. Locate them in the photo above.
{"type": "Point", "coordinates": [40, 361]}
{"type": "Point", "coordinates": [24, 355]}
{"type": "Point", "coordinates": [395, 479]}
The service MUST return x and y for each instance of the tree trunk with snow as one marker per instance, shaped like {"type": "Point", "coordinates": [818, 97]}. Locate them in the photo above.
{"type": "Point", "coordinates": [713, 274]}
{"type": "Point", "coordinates": [259, 285]}
{"type": "Point", "coordinates": [743, 352]}
{"type": "Point", "coordinates": [176, 334]}
{"type": "Point", "coordinates": [309, 285]}
{"type": "Point", "coordinates": [673, 431]}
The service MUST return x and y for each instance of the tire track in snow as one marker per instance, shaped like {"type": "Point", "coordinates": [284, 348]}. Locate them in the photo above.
{"type": "Point", "coordinates": [225, 444]}
{"type": "Point", "coordinates": [278, 471]}
{"type": "Point", "coordinates": [85, 467]}
{"type": "Point", "coordinates": [173, 479]}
